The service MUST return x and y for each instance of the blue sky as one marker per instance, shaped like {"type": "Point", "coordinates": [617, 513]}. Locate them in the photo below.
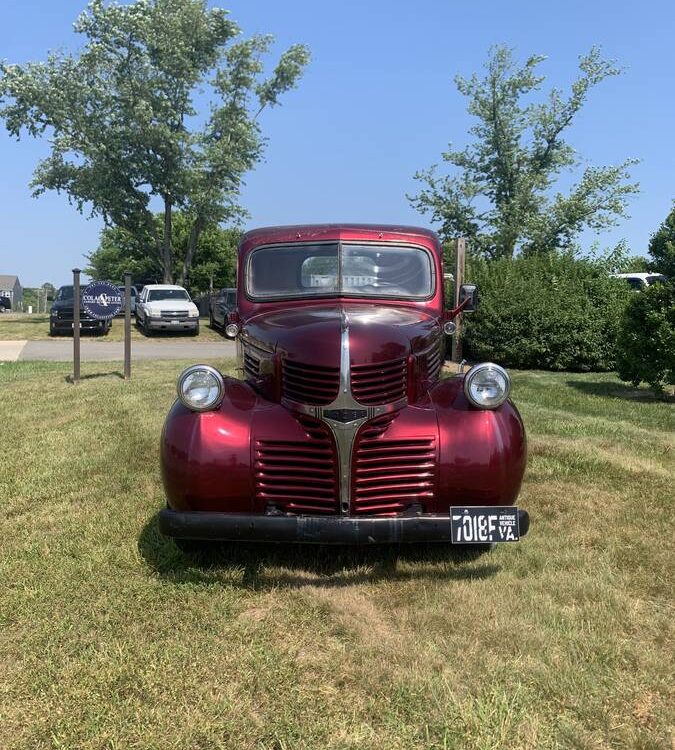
{"type": "Point", "coordinates": [377, 103]}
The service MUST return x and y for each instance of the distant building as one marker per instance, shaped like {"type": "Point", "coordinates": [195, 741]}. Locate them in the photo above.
{"type": "Point", "coordinates": [10, 287]}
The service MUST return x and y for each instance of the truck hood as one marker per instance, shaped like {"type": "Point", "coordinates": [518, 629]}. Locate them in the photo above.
{"type": "Point", "coordinates": [312, 334]}
{"type": "Point", "coordinates": [65, 305]}
{"type": "Point", "coordinates": [176, 305]}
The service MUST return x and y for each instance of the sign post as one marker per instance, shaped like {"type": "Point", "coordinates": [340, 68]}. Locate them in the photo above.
{"type": "Point", "coordinates": [127, 325]}
{"type": "Point", "coordinates": [459, 280]}
{"type": "Point", "coordinates": [76, 325]}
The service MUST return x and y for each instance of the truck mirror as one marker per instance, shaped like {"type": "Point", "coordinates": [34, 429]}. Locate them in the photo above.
{"type": "Point", "coordinates": [470, 292]}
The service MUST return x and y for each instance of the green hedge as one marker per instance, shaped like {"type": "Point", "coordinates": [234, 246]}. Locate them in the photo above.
{"type": "Point", "coordinates": [646, 351]}
{"type": "Point", "coordinates": [554, 312]}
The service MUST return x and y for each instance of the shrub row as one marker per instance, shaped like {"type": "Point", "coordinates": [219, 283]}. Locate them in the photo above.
{"type": "Point", "coordinates": [551, 311]}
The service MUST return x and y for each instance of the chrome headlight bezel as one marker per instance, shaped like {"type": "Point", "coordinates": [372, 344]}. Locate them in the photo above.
{"type": "Point", "coordinates": [214, 402]}
{"type": "Point", "coordinates": [232, 330]}
{"type": "Point", "coordinates": [489, 367]}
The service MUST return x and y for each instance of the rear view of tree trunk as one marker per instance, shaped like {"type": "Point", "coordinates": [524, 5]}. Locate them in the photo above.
{"type": "Point", "coordinates": [166, 244]}
{"type": "Point", "coordinates": [195, 231]}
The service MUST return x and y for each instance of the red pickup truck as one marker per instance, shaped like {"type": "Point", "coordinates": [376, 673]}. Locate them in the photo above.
{"type": "Point", "coordinates": [341, 429]}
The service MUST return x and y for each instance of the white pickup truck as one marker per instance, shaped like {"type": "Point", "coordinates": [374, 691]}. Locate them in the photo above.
{"type": "Point", "coordinates": [166, 307]}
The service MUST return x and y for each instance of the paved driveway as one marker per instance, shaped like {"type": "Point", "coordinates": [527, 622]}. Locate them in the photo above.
{"type": "Point", "coordinates": [101, 351]}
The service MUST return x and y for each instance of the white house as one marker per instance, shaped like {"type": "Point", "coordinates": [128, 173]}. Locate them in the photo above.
{"type": "Point", "coordinates": [10, 287]}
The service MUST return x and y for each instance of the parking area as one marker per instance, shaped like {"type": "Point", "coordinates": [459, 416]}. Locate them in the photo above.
{"type": "Point", "coordinates": [111, 351]}
{"type": "Point", "coordinates": [35, 327]}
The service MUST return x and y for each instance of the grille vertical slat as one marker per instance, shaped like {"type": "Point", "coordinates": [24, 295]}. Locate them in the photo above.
{"type": "Point", "coordinates": [382, 383]}
{"type": "Point", "coordinates": [298, 476]}
{"type": "Point", "coordinates": [390, 475]}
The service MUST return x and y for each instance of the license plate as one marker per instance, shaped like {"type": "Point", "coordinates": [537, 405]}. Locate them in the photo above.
{"type": "Point", "coordinates": [175, 322]}
{"type": "Point", "coordinates": [484, 524]}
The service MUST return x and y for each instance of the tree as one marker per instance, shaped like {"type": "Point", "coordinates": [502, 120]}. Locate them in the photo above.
{"type": "Point", "coordinates": [500, 195]}
{"type": "Point", "coordinates": [647, 340]}
{"type": "Point", "coordinates": [662, 247]}
{"type": "Point", "coordinates": [124, 128]}
{"type": "Point", "coordinates": [49, 290]}
{"type": "Point", "coordinates": [213, 262]}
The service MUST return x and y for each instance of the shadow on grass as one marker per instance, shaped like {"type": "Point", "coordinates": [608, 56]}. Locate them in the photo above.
{"type": "Point", "coordinates": [92, 376]}
{"type": "Point", "coordinates": [619, 390]}
{"type": "Point", "coordinates": [266, 566]}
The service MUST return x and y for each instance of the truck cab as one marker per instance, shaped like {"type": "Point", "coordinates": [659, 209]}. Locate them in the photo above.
{"type": "Point", "coordinates": [341, 429]}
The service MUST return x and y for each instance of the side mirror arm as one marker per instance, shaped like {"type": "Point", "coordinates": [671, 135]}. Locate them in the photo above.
{"type": "Point", "coordinates": [452, 314]}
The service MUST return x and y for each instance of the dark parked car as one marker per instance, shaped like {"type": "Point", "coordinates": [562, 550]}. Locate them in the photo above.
{"type": "Point", "coordinates": [61, 316]}
{"type": "Point", "coordinates": [5, 305]}
{"type": "Point", "coordinates": [134, 294]}
{"type": "Point", "coordinates": [222, 304]}
{"type": "Point", "coordinates": [341, 429]}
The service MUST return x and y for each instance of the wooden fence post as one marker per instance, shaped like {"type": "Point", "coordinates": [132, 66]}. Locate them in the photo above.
{"type": "Point", "coordinates": [459, 280]}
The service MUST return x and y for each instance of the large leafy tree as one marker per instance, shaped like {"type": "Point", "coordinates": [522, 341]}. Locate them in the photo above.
{"type": "Point", "coordinates": [125, 130]}
{"type": "Point", "coordinates": [213, 262]}
{"type": "Point", "coordinates": [501, 192]}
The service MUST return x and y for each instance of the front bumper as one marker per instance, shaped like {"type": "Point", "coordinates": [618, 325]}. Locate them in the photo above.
{"type": "Point", "coordinates": [63, 325]}
{"type": "Point", "coordinates": [210, 526]}
{"type": "Point", "coordinates": [160, 324]}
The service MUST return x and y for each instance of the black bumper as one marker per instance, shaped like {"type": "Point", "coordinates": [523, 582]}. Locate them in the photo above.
{"type": "Point", "coordinates": [62, 325]}
{"type": "Point", "coordinates": [209, 526]}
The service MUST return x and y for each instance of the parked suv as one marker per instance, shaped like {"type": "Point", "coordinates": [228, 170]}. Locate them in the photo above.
{"type": "Point", "coordinates": [166, 307]}
{"type": "Point", "coordinates": [640, 281]}
{"type": "Point", "coordinates": [5, 304]}
{"type": "Point", "coordinates": [62, 311]}
{"type": "Point", "coordinates": [222, 304]}
{"type": "Point", "coordinates": [341, 428]}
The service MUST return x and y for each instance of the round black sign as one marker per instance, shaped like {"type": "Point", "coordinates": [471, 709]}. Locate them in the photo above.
{"type": "Point", "coordinates": [102, 300]}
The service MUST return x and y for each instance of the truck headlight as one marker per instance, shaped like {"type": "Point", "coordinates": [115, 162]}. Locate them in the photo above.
{"type": "Point", "coordinates": [487, 385]}
{"type": "Point", "coordinates": [201, 387]}
{"type": "Point", "coordinates": [193, 313]}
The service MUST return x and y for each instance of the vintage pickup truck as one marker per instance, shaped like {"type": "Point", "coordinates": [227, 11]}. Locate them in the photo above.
{"type": "Point", "coordinates": [341, 429]}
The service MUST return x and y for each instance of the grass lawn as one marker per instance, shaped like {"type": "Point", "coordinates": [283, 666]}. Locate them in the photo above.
{"type": "Point", "coordinates": [111, 638]}
{"type": "Point", "coordinates": [35, 327]}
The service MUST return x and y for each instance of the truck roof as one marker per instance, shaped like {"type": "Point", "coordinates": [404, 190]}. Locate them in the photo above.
{"type": "Point", "coordinates": [164, 286]}
{"type": "Point", "coordinates": [322, 232]}
{"type": "Point", "coordinates": [638, 275]}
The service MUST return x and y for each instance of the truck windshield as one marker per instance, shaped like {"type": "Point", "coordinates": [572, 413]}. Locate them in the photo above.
{"type": "Point", "coordinates": [156, 295]}
{"type": "Point", "coordinates": [65, 292]}
{"type": "Point", "coordinates": [360, 270]}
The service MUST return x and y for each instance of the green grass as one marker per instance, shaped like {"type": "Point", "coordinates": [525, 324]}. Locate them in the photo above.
{"type": "Point", "coordinates": [35, 327]}
{"type": "Point", "coordinates": [111, 638]}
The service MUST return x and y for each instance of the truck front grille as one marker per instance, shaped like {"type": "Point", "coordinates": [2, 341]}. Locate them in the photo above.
{"type": "Point", "coordinates": [180, 315]}
{"type": "Point", "coordinates": [68, 314]}
{"type": "Point", "coordinates": [391, 475]}
{"type": "Point", "coordinates": [298, 477]}
{"type": "Point", "coordinates": [310, 384]}
{"type": "Point", "coordinates": [381, 383]}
